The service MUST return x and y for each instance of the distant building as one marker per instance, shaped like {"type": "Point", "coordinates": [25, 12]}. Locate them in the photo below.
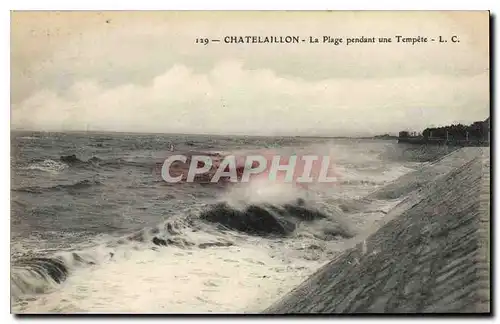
{"type": "Point", "coordinates": [404, 134]}
{"type": "Point", "coordinates": [486, 129]}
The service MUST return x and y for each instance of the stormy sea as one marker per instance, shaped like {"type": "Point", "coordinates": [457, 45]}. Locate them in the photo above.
{"type": "Point", "coordinates": [94, 227]}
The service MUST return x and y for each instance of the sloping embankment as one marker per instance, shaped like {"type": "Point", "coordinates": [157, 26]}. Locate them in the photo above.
{"type": "Point", "coordinates": [432, 255]}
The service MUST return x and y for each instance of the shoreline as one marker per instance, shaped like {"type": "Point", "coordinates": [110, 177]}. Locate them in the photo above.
{"type": "Point", "coordinates": [442, 142]}
{"type": "Point", "coordinates": [431, 255]}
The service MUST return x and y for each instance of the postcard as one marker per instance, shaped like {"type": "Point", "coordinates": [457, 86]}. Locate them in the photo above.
{"type": "Point", "coordinates": [250, 162]}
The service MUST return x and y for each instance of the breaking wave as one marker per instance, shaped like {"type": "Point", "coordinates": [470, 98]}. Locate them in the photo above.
{"type": "Point", "coordinates": [73, 160]}
{"type": "Point", "coordinates": [272, 212]}
{"type": "Point", "coordinates": [60, 187]}
{"type": "Point", "coordinates": [48, 165]}
{"type": "Point", "coordinates": [201, 227]}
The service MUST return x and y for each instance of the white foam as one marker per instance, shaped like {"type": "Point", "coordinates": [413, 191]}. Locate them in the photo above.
{"type": "Point", "coordinates": [50, 166]}
{"type": "Point", "coordinates": [29, 137]}
{"type": "Point", "coordinates": [261, 191]}
{"type": "Point", "coordinates": [218, 279]}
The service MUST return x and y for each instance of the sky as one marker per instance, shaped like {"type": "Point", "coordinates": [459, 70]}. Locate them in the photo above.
{"type": "Point", "coordinates": [143, 72]}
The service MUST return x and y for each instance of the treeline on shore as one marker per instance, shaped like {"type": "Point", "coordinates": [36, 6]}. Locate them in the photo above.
{"type": "Point", "coordinates": [476, 131]}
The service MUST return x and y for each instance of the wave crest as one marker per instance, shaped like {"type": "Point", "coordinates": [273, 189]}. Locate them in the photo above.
{"type": "Point", "coordinates": [48, 165]}
{"type": "Point", "coordinates": [72, 186]}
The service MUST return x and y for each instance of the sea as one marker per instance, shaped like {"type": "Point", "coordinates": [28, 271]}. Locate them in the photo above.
{"type": "Point", "coordinates": [95, 228]}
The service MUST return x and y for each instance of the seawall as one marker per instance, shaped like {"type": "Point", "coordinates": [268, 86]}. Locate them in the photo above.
{"type": "Point", "coordinates": [431, 255]}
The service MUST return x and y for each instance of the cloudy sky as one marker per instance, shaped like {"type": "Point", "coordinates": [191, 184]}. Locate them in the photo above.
{"type": "Point", "coordinates": [143, 72]}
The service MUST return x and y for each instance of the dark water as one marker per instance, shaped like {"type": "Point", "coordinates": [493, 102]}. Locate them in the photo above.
{"type": "Point", "coordinates": [113, 184]}
{"type": "Point", "coordinates": [70, 191]}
